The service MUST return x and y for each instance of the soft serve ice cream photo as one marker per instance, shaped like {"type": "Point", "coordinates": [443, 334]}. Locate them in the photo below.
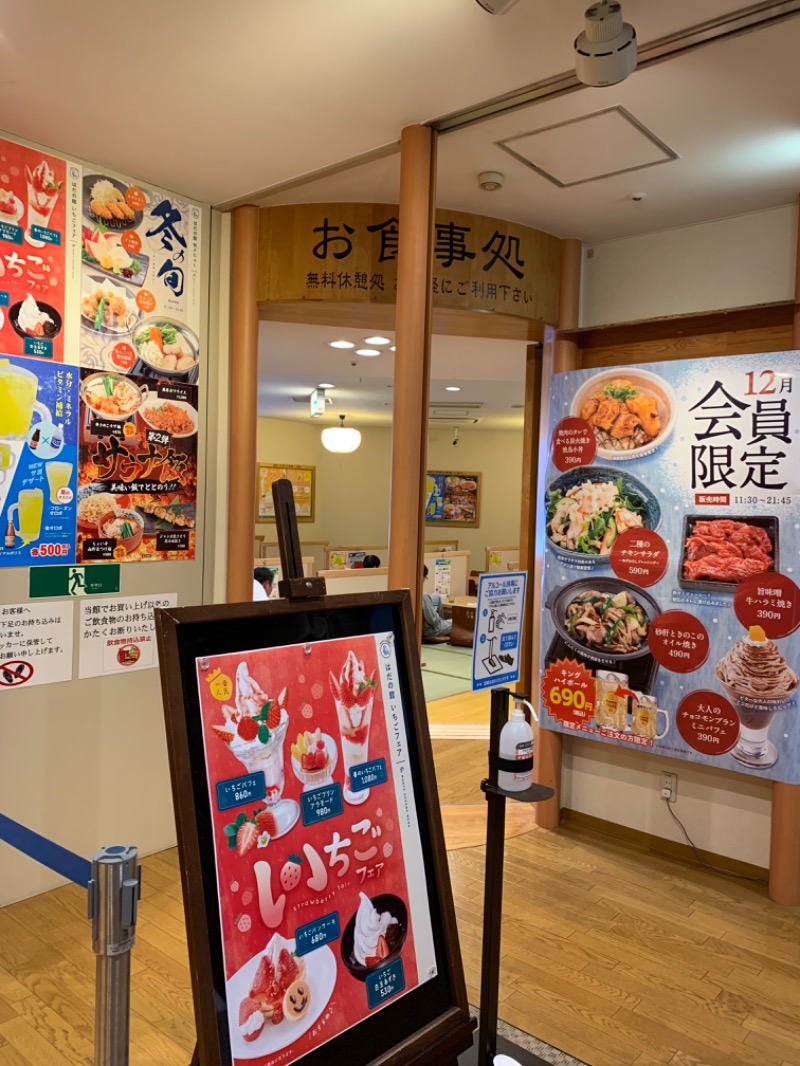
{"type": "Point", "coordinates": [759, 682]}
{"type": "Point", "coordinates": [317, 882]}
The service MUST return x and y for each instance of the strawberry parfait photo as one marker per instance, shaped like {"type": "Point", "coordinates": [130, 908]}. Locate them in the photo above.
{"type": "Point", "coordinates": [254, 731]}
{"type": "Point", "coordinates": [354, 693]}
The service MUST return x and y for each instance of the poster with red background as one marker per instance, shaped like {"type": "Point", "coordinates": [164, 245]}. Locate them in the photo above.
{"type": "Point", "coordinates": [34, 207]}
{"type": "Point", "coordinates": [324, 914]}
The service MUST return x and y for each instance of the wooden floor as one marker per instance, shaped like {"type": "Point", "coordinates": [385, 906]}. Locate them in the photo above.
{"type": "Point", "coordinates": [616, 957]}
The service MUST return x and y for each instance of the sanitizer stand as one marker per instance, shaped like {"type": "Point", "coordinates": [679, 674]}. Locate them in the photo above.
{"type": "Point", "coordinates": [487, 1053]}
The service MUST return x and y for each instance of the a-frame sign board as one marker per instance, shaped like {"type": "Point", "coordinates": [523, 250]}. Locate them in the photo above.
{"type": "Point", "coordinates": [318, 903]}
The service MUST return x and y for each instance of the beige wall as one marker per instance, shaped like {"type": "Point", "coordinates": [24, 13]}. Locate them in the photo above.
{"type": "Point", "coordinates": [732, 262]}
{"type": "Point", "coordinates": [352, 501]}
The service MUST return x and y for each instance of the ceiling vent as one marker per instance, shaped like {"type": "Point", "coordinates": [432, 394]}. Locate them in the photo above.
{"type": "Point", "coordinates": [453, 420]}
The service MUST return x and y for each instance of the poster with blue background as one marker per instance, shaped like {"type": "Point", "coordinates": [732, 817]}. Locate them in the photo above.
{"type": "Point", "coordinates": [670, 608]}
{"type": "Point", "coordinates": [38, 461]}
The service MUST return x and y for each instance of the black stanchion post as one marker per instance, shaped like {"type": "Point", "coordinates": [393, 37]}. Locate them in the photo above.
{"type": "Point", "coordinates": [493, 882]}
{"type": "Point", "coordinates": [493, 889]}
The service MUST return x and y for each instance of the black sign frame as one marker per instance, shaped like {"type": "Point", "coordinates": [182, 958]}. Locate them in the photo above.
{"type": "Point", "coordinates": [430, 1024]}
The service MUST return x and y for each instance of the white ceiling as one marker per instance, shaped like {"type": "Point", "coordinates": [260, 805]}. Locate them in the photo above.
{"type": "Point", "coordinates": [295, 359]}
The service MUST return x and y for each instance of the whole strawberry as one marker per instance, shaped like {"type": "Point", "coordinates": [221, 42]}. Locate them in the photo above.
{"type": "Point", "coordinates": [265, 820]}
{"type": "Point", "coordinates": [247, 728]}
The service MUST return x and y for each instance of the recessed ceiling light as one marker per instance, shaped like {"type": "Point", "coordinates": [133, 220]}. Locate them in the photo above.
{"type": "Point", "coordinates": [448, 388]}
{"type": "Point", "coordinates": [325, 385]}
{"type": "Point", "coordinates": [377, 340]}
{"type": "Point", "coordinates": [393, 349]}
{"type": "Point", "coordinates": [342, 344]}
{"type": "Point", "coordinates": [367, 351]}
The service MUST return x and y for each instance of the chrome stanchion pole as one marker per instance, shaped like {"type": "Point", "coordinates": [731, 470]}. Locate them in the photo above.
{"type": "Point", "coordinates": [114, 893]}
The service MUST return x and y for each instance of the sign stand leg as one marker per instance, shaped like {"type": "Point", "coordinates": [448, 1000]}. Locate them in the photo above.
{"type": "Point", "coordinates": [487, 1041]}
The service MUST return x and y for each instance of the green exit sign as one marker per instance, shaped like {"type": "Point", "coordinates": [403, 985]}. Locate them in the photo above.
{"type": "Point", "coordinates": [48, 581]}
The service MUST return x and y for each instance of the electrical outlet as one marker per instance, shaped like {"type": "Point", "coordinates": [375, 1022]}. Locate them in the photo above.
{"type": "Point", "coordinates": [669, 787]}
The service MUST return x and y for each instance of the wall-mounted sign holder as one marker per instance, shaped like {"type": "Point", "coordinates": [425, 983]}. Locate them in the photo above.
{"type": "Point", "coordinates": [428, 1025]}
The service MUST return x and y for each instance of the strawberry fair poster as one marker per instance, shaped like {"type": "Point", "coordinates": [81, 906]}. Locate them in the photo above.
{"type": "Point", "coordinates": [320, 873]}
{"type": "Point", "coordinates": [37, 204]}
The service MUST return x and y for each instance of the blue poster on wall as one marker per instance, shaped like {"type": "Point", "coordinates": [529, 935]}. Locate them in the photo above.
{"type": "Point", "coordinates": [672, 542]}
{"type": "Point", "coordinates": [38, 461]}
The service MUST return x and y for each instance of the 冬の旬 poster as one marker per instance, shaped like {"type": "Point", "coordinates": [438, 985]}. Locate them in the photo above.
{"type": "Point", "coordinates": [320, 873]}
{"type": "Point", "coordinates": [672, 544]}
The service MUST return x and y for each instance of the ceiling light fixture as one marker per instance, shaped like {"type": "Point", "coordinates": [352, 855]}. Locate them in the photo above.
{"type": "Point", "coordinates": [393, 349]}
{"type": "Point", "coordinates": [376, 340]}
{"type": "Point", "coordinates": [452, 388]}
{"type": "Point", "coordinates": [341, 344]}
{"type": "Point", "coordinates": [341, 438]}
{"type": "Point", "coordinates": [326, 385]}
{"type": "Point", "coordinates": [369, 352]}
{"type": "Point", "coordinates": [605, 53]}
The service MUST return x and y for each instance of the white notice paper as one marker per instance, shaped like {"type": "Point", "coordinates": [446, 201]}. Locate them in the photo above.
{"type": "Point", "coordinates": [118, 635]}
{"type": "Point", "coordinates": [35, 644]}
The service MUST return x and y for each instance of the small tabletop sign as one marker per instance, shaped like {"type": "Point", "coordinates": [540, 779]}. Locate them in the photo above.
{"type": "Point", "coordinates": [498, 629]}
{"type": "Point", "coordinates": [319, 910]}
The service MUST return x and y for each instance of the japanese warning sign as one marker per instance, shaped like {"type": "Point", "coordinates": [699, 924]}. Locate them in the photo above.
{"type": "Point", "coordinates": [498, 629]}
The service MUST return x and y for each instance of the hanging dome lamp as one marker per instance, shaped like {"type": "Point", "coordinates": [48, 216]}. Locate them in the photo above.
{"type": "Point", "coordinates": [341, 438]}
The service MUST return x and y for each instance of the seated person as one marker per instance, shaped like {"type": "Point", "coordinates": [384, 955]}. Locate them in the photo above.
{"type": "Point", "coordinates": [433, 623]}
{"type": "Point", "coordinates": [371, 562]}
{"type": "Point", "coordinates": [263, 579]}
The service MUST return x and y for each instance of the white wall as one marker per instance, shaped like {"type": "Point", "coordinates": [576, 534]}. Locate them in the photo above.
{"type": "Point", "coordinates": [733, 262]}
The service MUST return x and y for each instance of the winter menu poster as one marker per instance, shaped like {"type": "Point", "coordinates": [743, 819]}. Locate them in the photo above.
{"type": "Point", "coordinates": [672, 540]}
{"type": "Point", "coordinates": [320, 874]}
{"type": "Point", "coordinates": [140, 269]}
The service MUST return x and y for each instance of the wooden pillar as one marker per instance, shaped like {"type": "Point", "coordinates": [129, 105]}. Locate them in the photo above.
{"type": "Point", "coordinates": [784, 858]}
{"type": "Point", "coordinates": [412, 363]}
{"type": "Point", "coordinates": [548, 745]}
{"type": "Point", "coordinates": [243, 394]}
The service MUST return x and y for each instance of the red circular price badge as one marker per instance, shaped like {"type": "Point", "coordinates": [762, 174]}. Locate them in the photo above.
{"type": "Point", "coordinates": [574, 444]}
{"type": "Point", "coordinates": [145, 300]}
{"type": "Point", "coordinates": [678, 641]}
{"type": "Point", "coordinates": [131, 241]}
{"type": "Point", "coordinates": [135, 198]}
{"type": "Point", "coordinates": [707, 722]}
{"type": "Point", "coordinates": [639, 556]}
{"type": "Point", "coordinates": [568, 691]}
{"type": "Point", "coordinates": [123, 356]}
{"type": "Point", "coordinates": [771, 601]}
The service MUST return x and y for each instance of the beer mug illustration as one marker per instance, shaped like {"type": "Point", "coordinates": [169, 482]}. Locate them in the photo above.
{"type": "Point", "coordinates": [18, 402]}
{"type": "Point", "coordinates": [7, 460]}
{"type": "Point", "coordinates": [29, 507]}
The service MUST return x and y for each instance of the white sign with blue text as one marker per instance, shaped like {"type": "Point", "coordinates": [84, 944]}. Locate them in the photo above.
{"type": "Point", "coordinates": [498, 630]}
